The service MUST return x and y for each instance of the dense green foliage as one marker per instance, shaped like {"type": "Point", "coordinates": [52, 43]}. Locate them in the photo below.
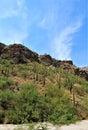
{"type": "Point", "coordinates": [34, 92]}
{"type": "Point", "coordinates": [28, 105]}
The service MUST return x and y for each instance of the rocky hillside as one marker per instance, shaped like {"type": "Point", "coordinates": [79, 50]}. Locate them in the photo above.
{"type": "Point", "coordinates": [18, 53]}
{"type": "Point", "coordinates": [82, 72]}
{"type": "Point", "coordinates": [39, 88]}
{"type": "Point", "coordinates": [21, 54]}
{"type": "Point", "coordinates": [1, 47]}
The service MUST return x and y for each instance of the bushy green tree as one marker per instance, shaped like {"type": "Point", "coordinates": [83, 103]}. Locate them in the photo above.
{"type": "Point", "coordinates": [25, 105]}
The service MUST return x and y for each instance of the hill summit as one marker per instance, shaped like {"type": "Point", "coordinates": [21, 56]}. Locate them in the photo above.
{"type": "Point", "coordinates": [18, 53]}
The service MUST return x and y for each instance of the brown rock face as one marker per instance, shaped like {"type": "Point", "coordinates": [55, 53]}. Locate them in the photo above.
{"type": "Point", "coordinates": [51, 61]}
{"type": "Point", "coordinates": [65, 62]}
{"type": "Point", "coordinates": [82, 72]}
{"type": "Point", "coordinates": [1, 47]}
{"type": "Point", "coordinates": [46, 59]}
{"type": "Point", "coordinates": [19, 53]}
{"type": "Point", "coordinates": [66, 65]}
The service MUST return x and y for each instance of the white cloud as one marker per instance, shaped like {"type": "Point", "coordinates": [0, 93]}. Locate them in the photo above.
{"type": "Point", "coordinates": [62, 43]}
{"type": "Point", "coordinates": [48, 22]}
{"type": "Point", "coordinates": [13, 21]}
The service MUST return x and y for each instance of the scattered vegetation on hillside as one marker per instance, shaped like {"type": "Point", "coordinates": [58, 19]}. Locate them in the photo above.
{"type": "Point", "coordinates": [34, 92]}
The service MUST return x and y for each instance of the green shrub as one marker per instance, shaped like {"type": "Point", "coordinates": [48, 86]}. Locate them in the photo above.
{"type": "Point", "coordinates": [6, 98]}
{"type": "Point", "coordinates": [60, 109]}
{"type": "Point", "coordinates": [5, 83]}
{"type": "Point", "coordinates": [25, 105]}
{"type": "Point", "coordinates": [24, 73]}
{"type": "Point", "coordinates": [84, 105]}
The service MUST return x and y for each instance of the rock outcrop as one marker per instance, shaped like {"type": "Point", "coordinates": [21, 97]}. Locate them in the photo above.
{"type": "Point", "coordinates": [19, 53]}
{"type": "Point", "coordinates": [1, 47]}
{"type": "Point", "coordinates": [51, 61]}
{"type": "Point", "coordinates": [47, 59]}
{"type": "Point", "coordinates": [70, 62]}
{"type": "Point", "coordinates": [82, 72]}
{"type": "Point", "coordinates": [65, 64]}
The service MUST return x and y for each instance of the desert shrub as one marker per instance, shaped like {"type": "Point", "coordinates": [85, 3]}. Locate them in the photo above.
{"type": "Point", "coordinates": [6, 98]}
{"type": "Point", "coordinates": [61, 110]}
{"type": "Point", "coordinates": [24, 73]}
{"type": "Point", "coordinates": [25, 106]}
{"type": "Point", "coordinates": [84, 86]}
{"type": "Point", "coordinates": [29, 105]}
{"type": "Point", "coordinates": [9, 81]}
{"type": "Point", "coordinates": [84, 105]}
{"type": "Point", "coordinates": [2, 84]}
{"type": "Point", "coordinates": [6, 82]}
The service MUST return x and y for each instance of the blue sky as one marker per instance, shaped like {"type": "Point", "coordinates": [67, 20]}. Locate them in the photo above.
{"type": "Point", "coordinates": [55, 27]}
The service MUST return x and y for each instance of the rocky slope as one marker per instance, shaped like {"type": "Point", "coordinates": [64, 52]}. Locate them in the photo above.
{"type": "Point", "coordinates": [18, 53]}
{"type": "Point", "coordinates": [21, 54]}
{"type": "Point", "coordinates": [1, 47]}
{"type": "Point", "coordinates": [82, 72]}
{"type": "Point", "coordinates": [65, 64]}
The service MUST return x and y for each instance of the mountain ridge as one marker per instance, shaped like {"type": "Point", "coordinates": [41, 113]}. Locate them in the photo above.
{"type": "Point", "coordinates": [21, 54]}
{"type": "Point", "coordinates": [40, 83]}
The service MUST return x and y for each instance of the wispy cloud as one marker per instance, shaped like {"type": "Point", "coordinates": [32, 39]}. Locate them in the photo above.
{"type": "Point", "coordinates": [49, 25]}
{"type": "Point", "coordinates": [60, 23]}
{"type": "Point", "coordinates": [8, 9]}
{"type": "Point", "coordinates": [63, 41]}
{"type": "Point", "coordinates": [13, 21]}
{"type": "Point", "coordinates": [48, 22]}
